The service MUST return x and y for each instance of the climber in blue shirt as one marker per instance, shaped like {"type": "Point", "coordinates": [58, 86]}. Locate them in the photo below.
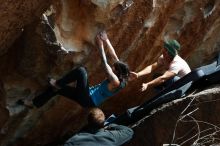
{"type": "Point", "coordinates": [117, 77]}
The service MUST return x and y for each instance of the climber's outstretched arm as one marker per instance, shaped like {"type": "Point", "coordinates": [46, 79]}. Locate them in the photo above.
{"type": "Point", "coordinates": [111, 49]}
{"type": "Point", "coordinates": [114, 81]}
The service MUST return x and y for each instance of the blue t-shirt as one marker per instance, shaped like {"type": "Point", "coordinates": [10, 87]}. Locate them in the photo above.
{"type": "Point", "coordinates": [99, 93]}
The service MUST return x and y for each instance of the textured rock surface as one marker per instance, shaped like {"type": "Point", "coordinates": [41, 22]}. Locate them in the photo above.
{"type": "Point", "coordinates": [197, 117]}
{"type": "Point", "coordinates": [14, 16]}
{"type": "Point", "coordinates": [136, 29]}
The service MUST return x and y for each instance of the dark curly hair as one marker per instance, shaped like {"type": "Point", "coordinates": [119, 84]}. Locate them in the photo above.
{"type": "Point", "coordinates": [122, 70]}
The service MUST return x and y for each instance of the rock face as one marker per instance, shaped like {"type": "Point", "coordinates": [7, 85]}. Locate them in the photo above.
{"type": "Point", "coordinates": [30, 52]}
{"type": "Point", "coordinates": [193, 118]}
{"type": "Point", "coordinates": [14, 17]}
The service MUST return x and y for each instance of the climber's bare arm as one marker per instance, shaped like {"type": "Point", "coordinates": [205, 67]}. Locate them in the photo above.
{"type": "Point", "coordinates": [111, 49]}
{"type": "Point", "coordinates": [114, 81]}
